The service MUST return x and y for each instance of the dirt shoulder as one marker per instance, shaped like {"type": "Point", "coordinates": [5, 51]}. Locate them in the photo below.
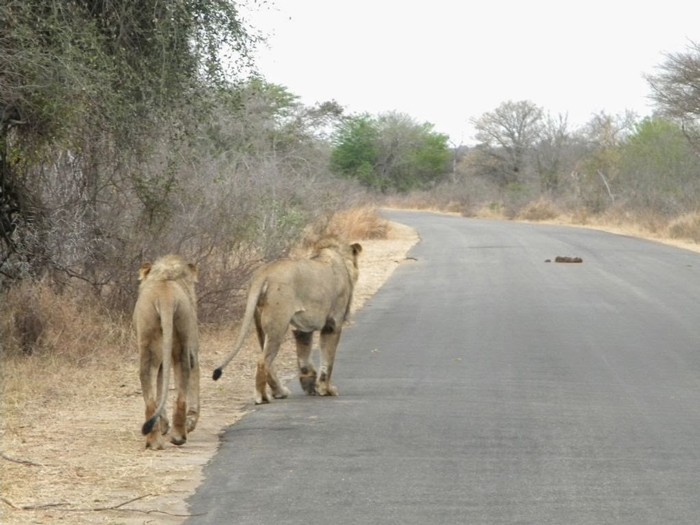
{"type": "Point", "coordinates": [71, 446]}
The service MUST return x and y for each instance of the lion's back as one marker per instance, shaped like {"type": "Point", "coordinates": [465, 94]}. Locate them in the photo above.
{"type": "Point", "coordinates": [168, 281]}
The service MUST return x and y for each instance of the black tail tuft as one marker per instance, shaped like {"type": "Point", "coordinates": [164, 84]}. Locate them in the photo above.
{"type": "Point", "coordinates": [217, 373]}
{"type": "Point", "coordinates": [148, 426]}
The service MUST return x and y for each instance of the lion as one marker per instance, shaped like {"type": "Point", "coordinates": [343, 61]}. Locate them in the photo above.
{"type": "Point", "coordinates": [311, 294]}
{"type": "Point", "coordinates": [165, 318]}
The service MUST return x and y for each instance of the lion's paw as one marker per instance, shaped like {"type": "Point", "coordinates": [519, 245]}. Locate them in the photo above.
{"type": "Point", "coordinates": [308, 384]}
{"type": "Point", "coordinates": [177, 439]}
{"type": "Point", "coordinates": [192, 419]}
{"type": "Point", "coordinates": [154, 442]}
{"type": "Point", "coordinates": [325, 389]}
{"type": "Point", "coordinates": [282, 393]}
{"type": "Point", "coordinates": [307, 379]}
{"type": "Point", "coordinates": [261, 399]}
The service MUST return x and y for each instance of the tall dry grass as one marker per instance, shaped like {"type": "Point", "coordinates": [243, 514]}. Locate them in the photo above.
{"type": "Point", "coordinates": [54, 343]}
{"type": "Point", "coordinates": [39, 319]}
{"type": "Point", "coordinates": [355, 224]}
{"type": "Point", "coordinates": [686, 227]}
{"type": "Point", "coordinates": [540, 210]}
{"type": "Point", "coordinates": [472, 197]}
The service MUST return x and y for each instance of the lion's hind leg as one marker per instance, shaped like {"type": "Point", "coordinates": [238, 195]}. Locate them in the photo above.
{"type": "Point", "coordinates": [151, 376]}
{"type": "Point", "coordinates": [181, 367]}
{"type": "Point", "coordinates": [260, 395]}
{"type": "Point", "coordinates": [163, 421]}
{"type": "Point", "coordinates": [154, 437]}
{"type": "Point", "coordinates": [279, 391]}
{"type": "Point", "coordinates": [193, 392]}
{"type": "Point", "coordinates": [265, 373]}
{"type": "Point", "coordinates": [330, 335]}
{"type": "Point", "coordinates": [307, 372]}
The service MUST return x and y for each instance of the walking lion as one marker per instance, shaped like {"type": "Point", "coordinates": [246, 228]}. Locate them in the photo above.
{"type": "Point", "coordinates": [165, 317]}
{"type": "Point", "coordinates": [311, 294]}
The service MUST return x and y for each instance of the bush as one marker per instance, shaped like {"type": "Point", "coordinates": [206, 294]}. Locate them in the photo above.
{"type": "Point", "coordinates": [686, 227]}
{"type": "Point", "coordinates": [539, 210]}
{"type": "Point", "coordinates": [38, 319]}
{"type": "Point", "coordinates": [358, 224]}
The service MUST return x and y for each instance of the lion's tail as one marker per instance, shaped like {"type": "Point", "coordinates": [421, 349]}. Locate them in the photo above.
{"type": "Point", "coordinates": [258, 287]}
{"type": "Point", "coordinates": [167, 314]}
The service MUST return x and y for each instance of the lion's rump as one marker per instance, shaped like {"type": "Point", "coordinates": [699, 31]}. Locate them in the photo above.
{"type": "Point", "coordinates": [313, 292]}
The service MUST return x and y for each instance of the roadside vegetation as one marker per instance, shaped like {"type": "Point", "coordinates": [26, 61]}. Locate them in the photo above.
{"type": "Point", "coordinates": [129, 130]}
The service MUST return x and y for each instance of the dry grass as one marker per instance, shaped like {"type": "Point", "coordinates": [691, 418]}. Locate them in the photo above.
{"type": "Point", "coordinates": [356, 224]}
{"type": "Point", "coordinates": [539, 210]}
{"type": "Point", "coordinates": [680, 232]}
{"type": "Point", "coordinates": [492, 210]}
{"type": "Point", "coordinates": [71, 440]}
{"type": "Point", "coordinates": [683, 231]}
{"type": "Point", "coordinates": [686, 227]}
{"type": "Point", "coordinates": [71, 408]}
{"type": "Point", "coordinates": [40, 319]}
{"type": "Point", "coordinates": [360, 224]}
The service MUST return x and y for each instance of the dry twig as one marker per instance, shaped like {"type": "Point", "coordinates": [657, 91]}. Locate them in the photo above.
{"type": "Point", "coordinates": [20, 461]}
{"type": "Point", "coordinates": [56, 506]}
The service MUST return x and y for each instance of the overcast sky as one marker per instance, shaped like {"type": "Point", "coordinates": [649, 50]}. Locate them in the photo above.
{"type": "Point", "coordinates": [448, 61]}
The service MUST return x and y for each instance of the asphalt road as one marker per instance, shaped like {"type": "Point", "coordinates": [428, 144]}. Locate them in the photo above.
{"type": "Point", "coordinates": [483, 385]}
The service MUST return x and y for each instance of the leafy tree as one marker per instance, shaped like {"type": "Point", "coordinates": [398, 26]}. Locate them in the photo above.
{"type": "Point", "coordinates": [390, 152]}
{"type": "Point", "coordinates": [507, 135]}
{"type": "Point", "coordinates": [90, 89]}
{"type": "Point", "coordinates": [113, 64]}
{"type": "Point", "coordinates": [599, 165]}
{"type": "Point", "coordinates": [676, 89]}
{"type": "Point", "coordinates": [658, 168]}
{"type": "Point", "coordinates": [356, 153]}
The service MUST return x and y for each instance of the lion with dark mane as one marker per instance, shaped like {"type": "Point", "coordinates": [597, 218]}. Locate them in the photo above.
{"type": "Point", "coordinates": [312, 295]}
{"type": "Point", "coordinates": [165, 317]}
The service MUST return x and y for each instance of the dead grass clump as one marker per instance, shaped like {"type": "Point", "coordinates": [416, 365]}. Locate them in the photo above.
{"type": "Point", "coordinates": [685, 227]}
{"type": "Point", "coordinates": [539, 210]}
{"type": "Point", "coordinates": [491, 210]}
{"type": "Point", "coordinates": [641, 223]}
{"type": "Point", "coordinates": [416, 200]}
{"type": "Point", "coordinates": [580, 215]}
{"type": "Point", "coordinates": [355, 224]}
{"type": "Point", "coordinates": [360, 223]}
{"type": "Point", "coordinates": [39, 319]}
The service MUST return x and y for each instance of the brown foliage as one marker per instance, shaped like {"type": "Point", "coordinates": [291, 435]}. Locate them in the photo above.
{"type": "Point", "coordinates": [686, 227]}
{"type": "Point", "coordinates": [540, 210]}
{"type": "Point", "coordinates": [40, 319]}
{"type": "Point", "coordinates": [355, 224]}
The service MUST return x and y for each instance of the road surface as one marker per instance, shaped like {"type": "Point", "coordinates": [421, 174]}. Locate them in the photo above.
{"type": "Point", "coordinates": [483, 385]}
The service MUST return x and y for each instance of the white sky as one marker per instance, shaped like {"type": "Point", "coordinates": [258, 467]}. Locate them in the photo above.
{"type": "Point", "coordinates": [448, 61]}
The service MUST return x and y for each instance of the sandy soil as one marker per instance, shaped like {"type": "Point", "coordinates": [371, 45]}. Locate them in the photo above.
{"type": "Point", "coordinates": [71, 448]}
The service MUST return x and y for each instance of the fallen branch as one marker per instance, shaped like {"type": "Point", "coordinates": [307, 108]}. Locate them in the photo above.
{"type": "Point", "coordinates": [8, 503]}
{"type": "Point", "coordinates": [20, 461]}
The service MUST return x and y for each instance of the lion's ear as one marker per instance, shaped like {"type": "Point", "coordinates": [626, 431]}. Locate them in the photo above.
{"type": "Point", "coordinates": [144, 270]}
{"type": "Point", "coordinates": [195, 272]}
{"type": "Point", "coordinates": [356, 248]}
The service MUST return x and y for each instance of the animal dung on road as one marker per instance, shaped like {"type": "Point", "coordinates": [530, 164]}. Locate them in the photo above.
{"type": "Point", "coordinates": [565, 259]}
